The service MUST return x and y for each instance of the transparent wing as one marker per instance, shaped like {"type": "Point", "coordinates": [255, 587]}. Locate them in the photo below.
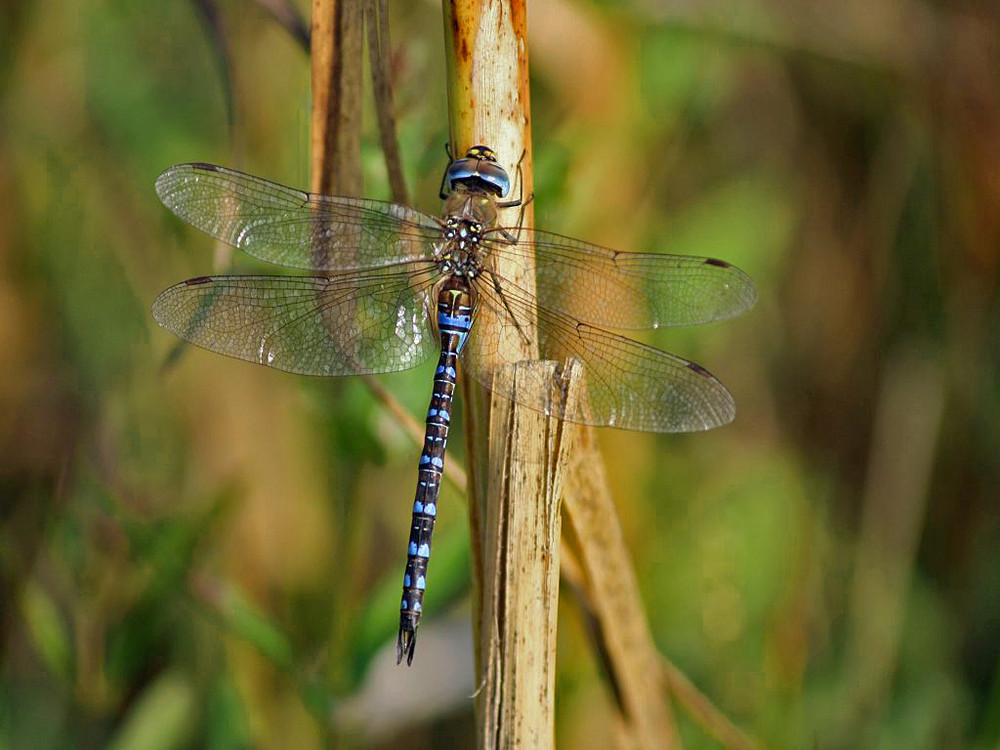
{"type": "Point", "coordinates": [347, 324]}
{"type": "Point", "coordinates": [292, 228]}
{"type": "Point", "coordinates": [630, 290]}
{"type": "Point", "coordinates": [627, 384]}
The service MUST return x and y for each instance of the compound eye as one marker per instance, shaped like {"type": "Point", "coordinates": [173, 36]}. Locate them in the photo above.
{"type": "Point", "coordinates": [495, 178]}
{"type": "Point", "coordinates": [479, 169]}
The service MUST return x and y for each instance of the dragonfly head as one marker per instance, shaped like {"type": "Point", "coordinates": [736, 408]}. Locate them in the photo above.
{"type": "Point", "coordinates": [478, 170]}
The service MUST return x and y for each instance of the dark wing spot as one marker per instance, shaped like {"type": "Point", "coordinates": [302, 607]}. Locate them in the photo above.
{"type": "Point", "coordinates": [199, 280]}
{"type": "Point", "coordinates": [204, 166]}
{"type": "Point", "coordinates": [719, 263]}
{"type": "Point", "coordinates": [700, 370]}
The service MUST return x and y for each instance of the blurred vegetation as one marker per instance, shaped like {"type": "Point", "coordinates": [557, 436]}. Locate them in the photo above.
{"type": "Point", "coordinates": [196, 552]}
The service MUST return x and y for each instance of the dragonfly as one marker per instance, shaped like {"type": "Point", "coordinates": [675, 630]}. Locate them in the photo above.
{"type": "Point", "coordinates": [391, 286]}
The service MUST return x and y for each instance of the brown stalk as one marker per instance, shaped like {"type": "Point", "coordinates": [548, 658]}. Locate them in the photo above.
{"type": "Point", "coordinates": [336, 165]}
{"type": "Point", "coordinates": [489, 104]}
{"type": "Point", "coordinates": [528, 451]}
{"type": "Point", "coordinates": [377, 23]}
{"type": "Point", "coordinates": [336, 92]}
{"type": "Point", "coordinates": [674, 682]}
{"type": "Point", "coordinates": [516, 490]}
{"type": "Point", "coordinates": [897, 488]}
{"type": "Point", "coordinates": [697, 705]}
{"type": "Point", "coordinates": [612, 595]}
{"type": "Point", "coordinates": [288, 17]}
{"type": "Point", "coordinates": [336, 136]}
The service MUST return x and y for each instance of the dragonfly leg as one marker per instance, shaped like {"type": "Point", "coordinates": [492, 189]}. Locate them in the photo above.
{"type": "Point", "coordinates": [502, 231]}
{"type": "Point", "coordinates": [519, 201]}
{"type": "Point", "coordinates": [442, 193]}
{"type": "Point", "coordinates": [519, 180]}
{"type": "Point", "coordinates": [499, 290]}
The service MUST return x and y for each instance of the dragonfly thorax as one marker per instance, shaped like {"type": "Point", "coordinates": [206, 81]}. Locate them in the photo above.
{"type": "Point", "coordinates": [461, 252]}
{"type": "Point", "coordinates": [469, 213]}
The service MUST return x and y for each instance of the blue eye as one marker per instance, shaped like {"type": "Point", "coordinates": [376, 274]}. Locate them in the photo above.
{"type": "Point", "coordinates": [478, 169]}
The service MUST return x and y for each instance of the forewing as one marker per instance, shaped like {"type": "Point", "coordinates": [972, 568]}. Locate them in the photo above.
{"type": "Point", "coordinates": [615, 289]}
{"type": "Point", "coordinates": [626, 384]}
{"type": "Point", "coordinates": [292, 228]}
{"type": "Point", "coordinates": [347, 324]}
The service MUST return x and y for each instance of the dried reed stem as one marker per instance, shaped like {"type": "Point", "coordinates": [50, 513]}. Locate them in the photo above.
{"type": "Point", "coordinates": [514, 513]}
{"type": "Point", "coordinates": [521, 574]}
{"type": "Point", "coordinates": [377, 22]}
{"type": "Point", "coordinates": [611, 594]}
{"type": "Point", "coordinates": [336, 93]}
{"type": "Point", "coordinates": [697, 705]}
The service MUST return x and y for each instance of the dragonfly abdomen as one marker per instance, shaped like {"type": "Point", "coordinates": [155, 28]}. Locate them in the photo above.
{"type": "Point", "coordinates": [454, 322]}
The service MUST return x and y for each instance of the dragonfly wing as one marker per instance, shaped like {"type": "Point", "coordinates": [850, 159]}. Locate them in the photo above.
{"type": "Point", "coordinates": [627, 384]}
{"type": "Point", "coordinates": [292, 228]}
{"type": "Point", "coordinates": [346, 324]}
{"type": "Point", "coordinates": [616, 289]}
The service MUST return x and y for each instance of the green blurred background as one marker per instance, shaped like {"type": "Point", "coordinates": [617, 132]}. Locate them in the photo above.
{"type": "Point", "coordinates": [198, 552]}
